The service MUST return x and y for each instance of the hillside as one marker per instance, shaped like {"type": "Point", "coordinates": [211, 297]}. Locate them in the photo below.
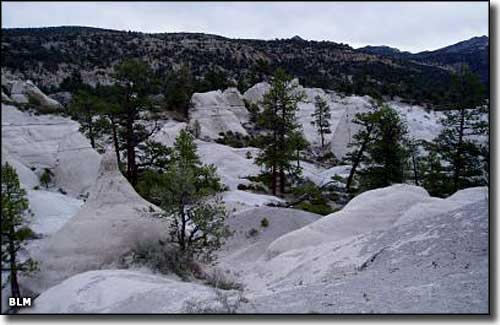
{"type": "Point", "coordinates": [473, 52]}
{"type": "Point", "coordinates": [48, 56]}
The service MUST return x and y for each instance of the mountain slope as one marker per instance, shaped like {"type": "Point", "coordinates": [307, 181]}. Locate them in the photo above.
{"type": "Point", "coordinates": [473, 52]}
{"type": "Point", "coordinates": [50, 55]}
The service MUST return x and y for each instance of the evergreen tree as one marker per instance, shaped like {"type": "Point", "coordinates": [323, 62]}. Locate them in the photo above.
{"type": "Point", "coordinates": [380, 148]}
{"type": "Point", "coordinates": [179, 89]}
{"type": "Point", "coordinates": [134, 78]}
{"type": "Point", "coordinates": [434, 178]}
{"type": "Point", "coordinates": [413, 147]}
{"type": "Point", "coordinates": [360, 142]}
{"type": "Point", "coordinates": [463, 121]}
{"type": "Point", "coordinates": [15, 230]}
{"type": "Point", "coordinates": [85, 108]}
{"type": "Point", "coordinates": [387, 154]}
{"type": "Point", "coordinates": [279, 123]}
{"type": "Point", "coordinates": [188, 195]}
{"type": "Point", "coordinates": [321, 117]}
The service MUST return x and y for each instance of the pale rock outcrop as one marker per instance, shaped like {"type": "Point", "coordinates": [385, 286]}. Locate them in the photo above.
{"type": "Point", "coordinates": [218, 112]}
{"type": "Point", "coordinates": [256, 93]}
{"type": "Point", "coordinates": [123, 292]}
{"type": "Point", "coordinates": [53, 142]}
{"type": "Point", "coordinates": [24, 91]}
{"type": "Point", "coordinates": [112, 222]}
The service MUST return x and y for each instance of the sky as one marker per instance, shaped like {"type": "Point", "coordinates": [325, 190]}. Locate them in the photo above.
{"type": "Point", "coordinates": [408, 26]}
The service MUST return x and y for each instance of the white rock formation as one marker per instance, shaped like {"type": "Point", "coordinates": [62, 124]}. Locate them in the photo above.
{"type": "Point", "coordinates": [369, 211]}
{"type": "Point", "coordinates": [121, 292]}
{"type": "Point", "coordinates": [5, 98]}
{"type": "Point", "coordinates": [22, 91]}
{"type": "Point", "coordinates": [51, 210]}
{"type": "Point", "coordinates": [112, 221]}
{"type": "Point", "coordinates": [255, 94]}
{"type": "Point", "coordinates": [169, 131]}
{"type": "Point", "coordinates": [232, 163]}
{"type": "Point", "coordinates": [245, 246]}
{"type": "Point", "coordinates": [27, 177]}
{"type": "Point", "coordinates": [218, 112]}
{"type": "Point", "coordinates": [53, 142]}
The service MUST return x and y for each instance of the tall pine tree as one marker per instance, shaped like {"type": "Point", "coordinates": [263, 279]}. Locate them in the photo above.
{"type": "Point", "coordinates": [462, 122]}
{"type": "Point", "coordinates": [379, 148]}
{"type": "Point", "coordinates": [15, 230]}
{"type": "Point", "coordinates": [278, 119]}
{"type": "Point", "coordinates": [321, 117]}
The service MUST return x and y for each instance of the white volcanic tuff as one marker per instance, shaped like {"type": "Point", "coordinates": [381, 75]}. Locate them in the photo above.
{"type": "Point", "coordinates": [22, 91]}
{"type": "Point", "coordinates": [255, 94]}
{"type": "Point", "coordinates": [232, 163]}
{"type": "Point", "coordinates": [336, 246]}
{"type": "Point", "coordinates": [5, 98]}
{"type": "Point", "coordinates": [243, 200]}
{"type": "Point", "coordinates": [53, 142]}
{"type": "Point", "coordinates": [436, 264]}
{"type": "Point", "coordinates": [242, 249]}
{"type": "Point", "coordinates": [27, 177]}
{"type": "Point", "coordinates": [169, 131]}
{"type": "Point", "coordinates": [51, 210]}
{"type": "Point", "coordinates": [121, 292]}
{"type": "Point", "coordinates": [112, 221]}
{"type": "Point", "coordinates": [368, 211]}
{"type": "Point", "coordinates": [218, 112]}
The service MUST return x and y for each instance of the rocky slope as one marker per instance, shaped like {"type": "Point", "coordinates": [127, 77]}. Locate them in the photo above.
{"type": "Point", "coordinates": [48, 56]}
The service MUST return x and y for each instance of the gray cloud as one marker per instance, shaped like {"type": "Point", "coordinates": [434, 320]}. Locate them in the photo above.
{"type": "Point", "coordinates": [412, 26]}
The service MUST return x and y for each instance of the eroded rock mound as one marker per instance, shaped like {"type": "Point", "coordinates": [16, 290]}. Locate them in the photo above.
{"type": "Point", "coordinates": [110, 224]}
{"type": "Point", "coordinates": [219, 112]}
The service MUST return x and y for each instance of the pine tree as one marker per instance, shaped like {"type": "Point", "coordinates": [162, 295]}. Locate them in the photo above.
{"type": "Point", "coordinates": [189, 197]}
{"type": "Point", "coordinates": [434, 178]}
{"type": "Point", "coordinates": [360, 142]}
{"type": "Point", "coordinates": [15, 230]}
{"type": "Point", "coordinates": [179, 89]}
{"type": "Point", "coordinates": [279, 123]}
{"type": "Point", "coordinates": [380, 147]}
{"type": "Point", "coordinates": [321, 117]}
{"type": "Point", "coordinates": [460, 124]}
{"type": "Point", "coordinates": [135, 79]}
{"type": "Point", "coordinates": [85, 108]}
{"type": "Point", "coordinates": [387, 154]}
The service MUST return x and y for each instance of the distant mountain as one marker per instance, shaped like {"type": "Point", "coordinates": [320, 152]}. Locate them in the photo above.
{"type": "Point", "coordinates": [473, 52]}
{"type": "Point", "coordinates": [50, 56]}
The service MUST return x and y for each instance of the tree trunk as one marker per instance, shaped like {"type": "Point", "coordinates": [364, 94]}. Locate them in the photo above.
{"type": "Point", "coordinates": [115, 143]}
{"type": "Point", "coordinates": [14, 285]}
{"type": "Point", "coordinates": [282, 181]}
{"type": "Point", "coordinates": [131, 166]}
{"type": "Point", "coordinates": [459, 153]}
{"type": "Point", "coordinates": [355, 164]}
{"type": "Point", "coordinates": [415, 169]}
{"type": "Point", "coordinates": [274, 176]}
{"type": "Point", "coordinates": [91, 130]}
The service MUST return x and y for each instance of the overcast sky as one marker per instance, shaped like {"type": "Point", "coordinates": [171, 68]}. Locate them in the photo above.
{"type": "Point", "coordinates": [411, 26]}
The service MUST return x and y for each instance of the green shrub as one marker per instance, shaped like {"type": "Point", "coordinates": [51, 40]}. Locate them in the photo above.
{"type": "Point", "coordinates": [46, 178]}
{"type": "Point", "coordinates": [264, 223]}
{"type": "Point", "coordinates": [322, 209]}
{"type": "Point", "coordinates": [165, 259]}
